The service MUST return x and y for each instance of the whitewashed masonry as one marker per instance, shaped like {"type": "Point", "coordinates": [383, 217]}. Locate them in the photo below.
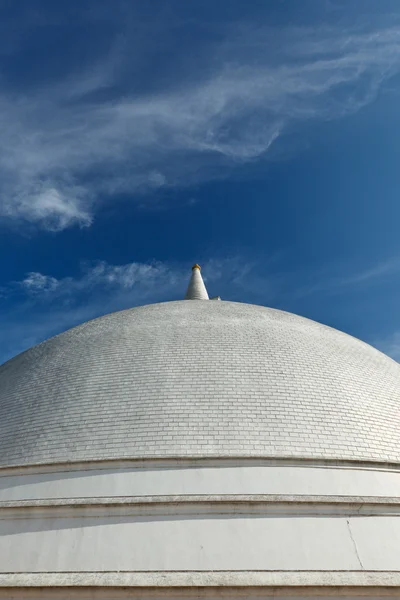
{"type": "Point", "coordinates": [200, 449]}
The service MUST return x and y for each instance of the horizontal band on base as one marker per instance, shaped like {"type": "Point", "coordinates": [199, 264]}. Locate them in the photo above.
{"type": "Point", "coordinates": [204, 579]}
{"type": "Point", "coordinates": [282, 505]}
{"type": "Point", "coordinates": [212, 460]}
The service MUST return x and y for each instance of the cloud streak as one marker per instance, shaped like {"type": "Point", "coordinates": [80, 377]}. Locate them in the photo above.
{"type": "Point", "coordinates": [40, 305]}
{"type": "Point", "coordinates": [390, 345]}
{"type": "Point", "coordinates": [67, 148]}
{"type": "Point", "coordinates": [364, 277]}
{"type": "Point", "coordinates": [142, 277]}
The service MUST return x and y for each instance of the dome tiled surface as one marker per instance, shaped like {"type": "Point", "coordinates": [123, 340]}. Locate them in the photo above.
{"type": "Point", "coordinates": [199, 378]}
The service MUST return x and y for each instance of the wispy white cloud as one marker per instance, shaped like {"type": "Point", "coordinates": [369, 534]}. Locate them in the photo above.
{"type": "Point", "coordinates": [99, 278]}
{"type": "Point", "coordinates": [154, 279]}
{"type": "Point", "coordinates": [66, 148]}
{"type": "Point", "coordinates": [54, 208]}
{"type": "Point", "coordinates": [368, 276]}
{"type": "Point", "coordinates": [389, 345]}
{"type": "Point", "coordinates": [40, 305]}
{"type": "Point", "coordinates": [383, 269]}
{"type": "Point", "coordinates": [36, 283]}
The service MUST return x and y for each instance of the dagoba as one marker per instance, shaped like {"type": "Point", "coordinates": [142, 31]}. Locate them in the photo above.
{"type": "Point", "coordinates": [200, 448]}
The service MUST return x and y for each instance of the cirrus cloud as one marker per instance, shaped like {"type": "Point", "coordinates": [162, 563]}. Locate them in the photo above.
{"type": "Point", "coordinates": [67, 147]}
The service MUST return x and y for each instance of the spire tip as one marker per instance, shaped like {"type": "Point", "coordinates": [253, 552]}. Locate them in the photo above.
{"type": "Point", "coordinates": [196, 289]}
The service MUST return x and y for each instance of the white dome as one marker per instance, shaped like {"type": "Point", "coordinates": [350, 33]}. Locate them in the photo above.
{"type": "Point", "coordinates": [173, 449]}
{"type": "Point", "coordinates": [199, 379]}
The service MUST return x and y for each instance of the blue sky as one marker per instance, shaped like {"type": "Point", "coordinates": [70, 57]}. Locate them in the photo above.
{"type": "Point", "coordinates": [260, 139]}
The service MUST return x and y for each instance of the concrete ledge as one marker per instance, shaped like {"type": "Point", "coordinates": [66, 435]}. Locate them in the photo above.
{"type": "Point", "coordinates": [232, 579]}
{"type": "Point", "coordinates": [216, 460]}
{"type": "Point", "coordinates": [281, 505]}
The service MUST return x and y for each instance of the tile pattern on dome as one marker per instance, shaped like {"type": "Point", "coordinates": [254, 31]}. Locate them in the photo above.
{"type": "Point", "coordinates": [197, 378]}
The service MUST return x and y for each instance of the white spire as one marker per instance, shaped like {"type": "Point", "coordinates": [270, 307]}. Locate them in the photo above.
{"type": "Point", "coordinates": [196, 288]}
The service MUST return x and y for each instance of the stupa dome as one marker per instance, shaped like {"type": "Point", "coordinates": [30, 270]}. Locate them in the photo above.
{"type": "Point", "coordinates": [200, 448]}
{"type": "Point", "coordinates": [192, 379]}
